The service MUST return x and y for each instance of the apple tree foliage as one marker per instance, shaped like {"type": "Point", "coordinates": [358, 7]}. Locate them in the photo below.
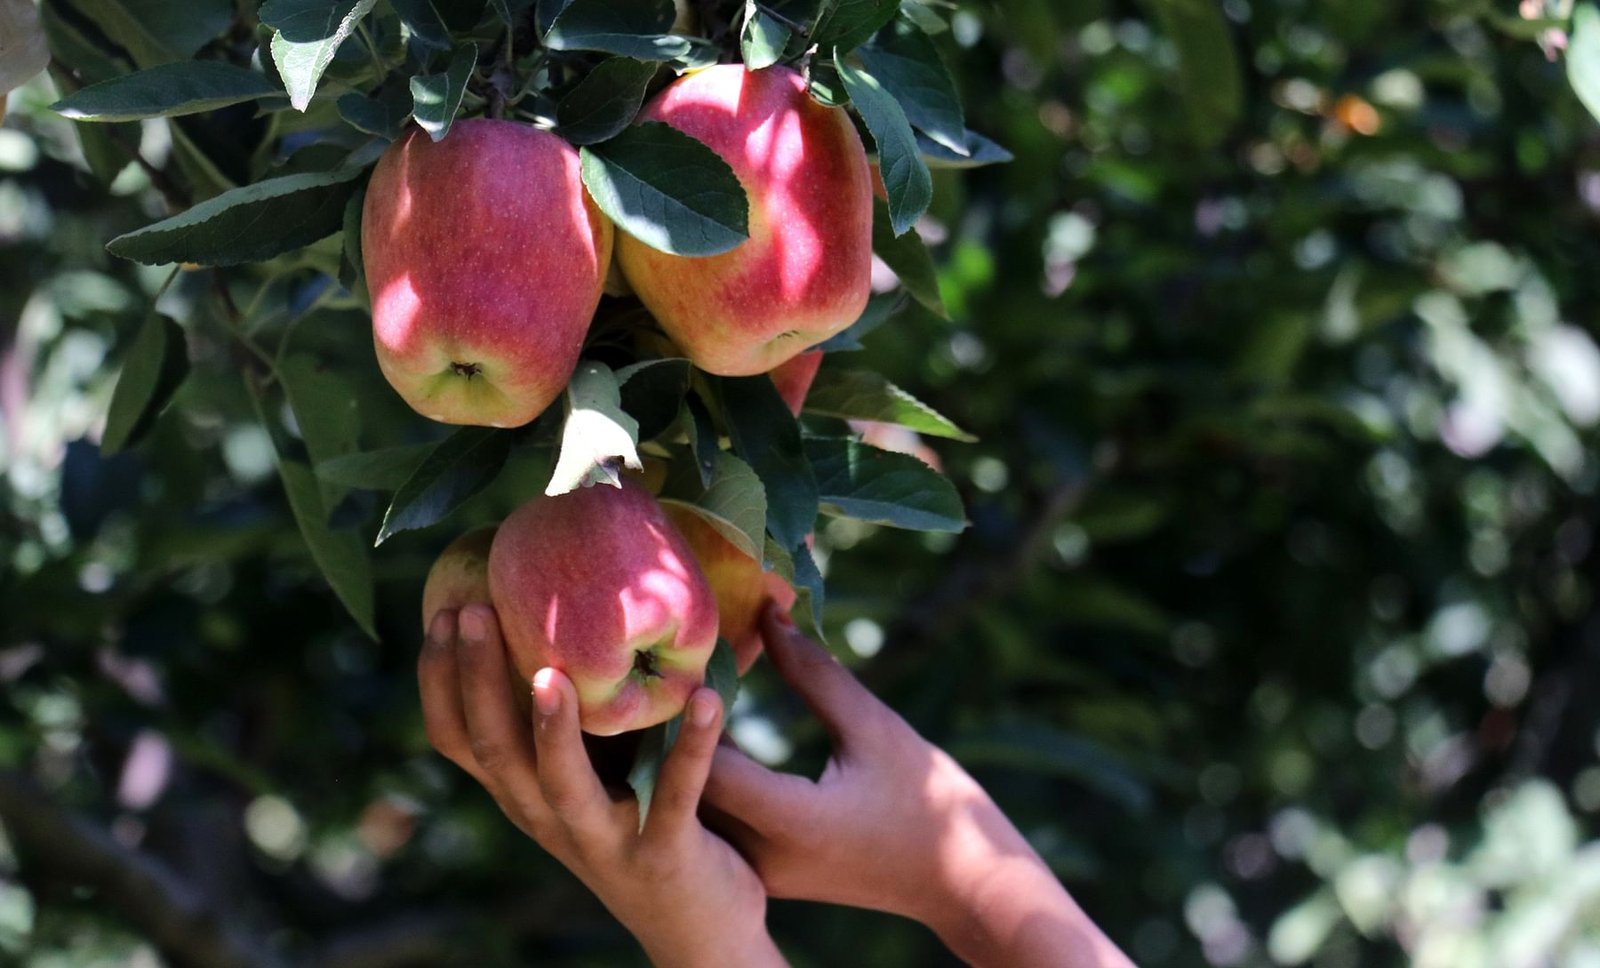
{"type": "Point", "coordinates": [1273, 624]}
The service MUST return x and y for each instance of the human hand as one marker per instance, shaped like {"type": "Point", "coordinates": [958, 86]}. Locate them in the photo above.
{"type": "Point", "coordinates": [894, 824]}
{"type": "Point", "coordinates": [681, 890]}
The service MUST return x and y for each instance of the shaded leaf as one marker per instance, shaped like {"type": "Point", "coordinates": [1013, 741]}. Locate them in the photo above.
{"type": "Point", "coordinates": [383, 115]}
{"type": "Point", "coordinates": [908, 257]}
{"type": "Point", "coordinates": [654, 745]}
{"type": "Point", "coordinates": [460, 466]}
{"type": "Point", "coordinates": [159, 31]}
{"type": "Point", "coordinates": [734, 503]}
{"type": "Point", "coordinates": [905, 61]}
{"type": "Point", "coordinates": [1037, 748]}
{"type": "Point", "coordinates": [170, 90]}
{"type": "Point", "coordinates": [850, 23]}
{"type": "Point", "coordinates": [905, 175]}
{"type": "Point", "coordinates": [763, 38]}
{"type": "Point", "coordinates": [980, 152]}
{"type": "Point", "coordinates": [667, 190]}
{"type": "Point", "coordinates": [338, 554]}
{"type": "Point", "coordinates": [425, 23]}
{"type": "Point", "coordinates": [437, 97]}
{"type": "Point", "coordinates": [385, 469]}
{"type": "Point", "coordinates": [653, 392]}
{"type": "Point", "coordinates": [631, 28]}
{"type": "Point", "coordinates": [765, 434]}
{"type": "Point", "coordinates": [247, 224]}
{"type": "Point", "coordinates": [155, 367]}
{"type": "Point", "coordinates": [880, 308]}
{"type": "Point", "coordinates": [605, 101]}
{"type": "Point", "coordinates": [856, 480]}
{"type": "Point", "coordinates": [865, 395]}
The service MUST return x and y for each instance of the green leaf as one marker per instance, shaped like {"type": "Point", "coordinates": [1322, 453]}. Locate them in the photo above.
{"type": "Point", "coordinates": [324, 407]}
{"type": "Point", "coordinates": [850, 23]}
{"type": "Point", "coordinates": [653, 392]}
{"type": "Point", "coordinates": [908, 257]}
{"type": "Point", "coordinates": [1208, 65]}
{"type": "Point", "coordinates": [908, 66]}
{"type": "Point", "coordinates": [763, 38]}
{"type": "Point", "coordinates": [383, 115]}
{"type": "Point", "coordinates": [462, 464]}
{"type": "Point", "coordinates": [385, 469]}
{"type": "Point", "coordinates": [605, 101]}
{"type": "Point", "coordinates": [156, 365]}
{"type": "Point", "coordinates": [703, 440]}
{"type": "Point", "coordinates": [865, 395]}
{"type": "Point", "coordinates": [437, 97]}
{"type": "Point", "coordinates": [308, 34]}
{"type": "Point", "coordinates": [425, 23]}
{"type": "Point", "coordinates": [248, 224]}
{"type": "Point", "coordinates": [631, 28]}
{"type": "Point", "coordinates": [1583, 56]}
{"type": "Point", "coordinates": [158, 31]}
{"type": "Point", "coordinates": [170, 90]}
{"type": "Point", "coordinates": [338, 554]}
{"type": "Point", "coordinates": [352, 268]}
{"type": "Point", "coordinates": [598, 438]}
{"type": "Point", "coordinates": [808, 585]}
{"type": "Point", "coordinates": [766, 435]}
{"type": "Point", "coordinates": [905, 175]}
{"type": "Point", "coordinates": [980, 152]}
{"type": "Point", "coordinates": [654, 745]}
{"type": "Point", "coordinates": [734, 503]}
{"type": "Point", "coordinates": [667, 190]}
{"type": "Point", "coordinates": [855, 480]}
{"type": "Point", "coordinates": [722, 674]}
{"type": "Point", "coordinates": [880, 307]}
{"type": "Point", "coordinates": [204, 178]}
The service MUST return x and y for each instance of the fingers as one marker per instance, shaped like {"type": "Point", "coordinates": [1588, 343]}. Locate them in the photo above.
{"type": "Point", "coordinates": [683, 775]}
{"type": "Point", "coordinates": [842, 704]}
{"type": "Point", "coordinates": [442, 715]}
{"type": "Point", "coordinates": [567, 780]}
{"type": "Point", "coordinates": [497, 736]}
{"type": "Point", "coordinates": [762, 800]}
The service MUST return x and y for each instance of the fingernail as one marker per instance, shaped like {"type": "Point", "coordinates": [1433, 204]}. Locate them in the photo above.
{"type": "Point", "coordinates": [546, 694]}
{"type": "Point", "coordinates": [439, 629]}
{"type": "Point", "coordinates": [702, 710]}
{"type": "Point", "coordinates": [473, 627]}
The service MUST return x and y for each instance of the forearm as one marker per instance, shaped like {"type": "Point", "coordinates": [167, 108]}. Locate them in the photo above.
{"type": "Point", "coordinates": [1003, 907]}
{"type": "Point", "coordinates": [754, 949]}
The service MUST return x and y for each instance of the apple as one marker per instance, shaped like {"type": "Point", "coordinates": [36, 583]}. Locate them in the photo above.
{"type": "Point", "coordinates": [805, 271]}
{"type": "Point", "coordinates": [459, 576]}
{"type": "Point", "coordinates": [599, 584]}
{"type": "Point", "coordinates": [793, 379]}
{"type": "Point", "coordinates": [737, 581]}
{"type": "Point", "coordinates": [485, 259]}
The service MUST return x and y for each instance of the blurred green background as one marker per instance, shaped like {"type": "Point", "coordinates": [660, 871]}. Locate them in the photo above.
{"type": "Point", "coordinates": [1274, 629]}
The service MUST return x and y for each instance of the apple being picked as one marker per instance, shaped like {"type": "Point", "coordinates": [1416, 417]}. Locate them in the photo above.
{"type": "Point", "coordinates": [485, 259]}
{"type": "Point", "coordinates": [737, 581]}
{"type": "Point", "coordinates": [599, 584]}
{"type": "Point", "coordinates": [805, 272]}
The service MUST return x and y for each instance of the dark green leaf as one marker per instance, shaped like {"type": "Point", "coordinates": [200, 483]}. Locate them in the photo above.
{"type": "Point", "coordinates": [905, 175]}
{"type": "Point", "coordinates": [766, 435]}
{"type": "Point", "coordinates": [324, 408]}
{"type": "Point", "coordinates": [460, 466]}
{"type": "Point", "coordinates": [170, 90]}
{"type": "Point", "coordinates": [654, 745]}
{"type": "Point", "coordinates": [850, 23]}
{"type": "Point", "coordinates": [386, 469]}
{"type": "Point", "coordinates": [880, 308]}
{"type": "Point", "coordinates": [824, 84]}
{"type": "Point", "coordinates": [734, 503]}
{"type": "Point", "coordinates": [763, 38]}
{"type": "Point", "coordinates": [652, 393]}
{"type": "Point", "coordinates": [980, 151]}
{"type": "Point", "coordinates": [247, 224]}
{"type": "Point", "coordinates": [908, 257]}
{"type": "Point", "coordinates": [384, 115]}
{"type": "Point", "coordinates": [605, 101]}
{"type": "Point", "coordinates": [905, 61]}
{"type": "Point", "coordinates": [598, 439]}
{"type": "Point", "coordinates": [865, 395]}
{"type": "Point", "coordinates": [437, 97]}
{"type": "Point", "coordinates": [722, 674]}
{"type": "Point", "coordinates": [308, 34]}
{"type": "Point", "coordinates": [156, 365]}
{"type": "Point", "coordinates": [158, 31]}
{"type": "Point", "coordinates": [338, 554]}
{"type": "Point", "coordinates": [667, 190]}
{"type": "Point", "coordinates": [352, 269]}
{"type": "Point", "coordinates": [859, 481]}
{"type": "Point", "coordinates": [631, 28]}
{"type": "Point", "coordinates": [1210, 79]}
{"type": "Point", "coordinates": [808, 585]}
{"type": "Point", "coordinates": [702, 439]}
{"type": "Point", "coordinates": [426, 25]}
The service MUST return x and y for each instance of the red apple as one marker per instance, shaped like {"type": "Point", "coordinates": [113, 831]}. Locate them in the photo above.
{"type": "Point", "coordinates": [597, 583]}
{"type": "Point", "coordinates": [793, 379]}
{"type": "Point", "coordinates": [485, 259]}
{"type": "Point", "coordinates": [741, 587]}
{"type": "Point", "coordinates": [805, 272]}
{"type": "Point", "coordinates": [459, 576]}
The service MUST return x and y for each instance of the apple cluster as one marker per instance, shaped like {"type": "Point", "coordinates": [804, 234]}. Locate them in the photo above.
{"type": "Point", "coordinates": [486, 260]}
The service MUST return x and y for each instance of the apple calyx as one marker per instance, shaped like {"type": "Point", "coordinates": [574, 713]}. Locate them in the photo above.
{"type": "Point", "coordinates": [468, 370]}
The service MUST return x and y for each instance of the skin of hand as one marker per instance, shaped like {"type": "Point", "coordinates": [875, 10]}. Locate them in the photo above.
{"type": "Point", "coordinates": [894, 824]}
{"type": "Point", "coordinates": [683, 892]}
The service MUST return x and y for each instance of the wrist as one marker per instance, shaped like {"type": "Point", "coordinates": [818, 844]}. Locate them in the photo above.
{"type": "Point", "coordinates": [754, 948]}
